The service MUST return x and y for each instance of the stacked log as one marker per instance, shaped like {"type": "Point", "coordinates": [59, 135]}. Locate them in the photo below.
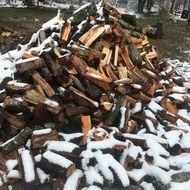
{"type": "Point", "coordinates": [92, 103]}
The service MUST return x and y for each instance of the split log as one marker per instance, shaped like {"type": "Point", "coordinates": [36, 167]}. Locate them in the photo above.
{"type": "Point", "coordinates": [82, 99]}
{"type": "Point", "coordinates": [27, 161]}
{"type": "Point", "coordinates": [111, 116]}
{"type": "Point", "coordinates": [35, 98]}
{"type": "Point", "coordinates": [13, 120]}
{"type": "Point", "coordinates": [39, 137]}
{"type": "Point", "coordinates": [16, 141]}
{"type": "Point", "coordinates": [77, 110]}
{"type": "Point", "coordinates": [13, 105]}
{"type": "Point", "coordinates": [66, 32]}
{"type": "Point", "coordinates": [126, 58]}
{"type": "Point", "coordinates": [30, 65]}
{"type": "Point", "coordinates": [45, 86]}
{"type": "Point", "coordinates": [86, 127]}
{"type": "Point", "coordinates": [54, 68]}
{"type": "Point", "coordinates": [17, 87]}
{"type": "Point", "coordinates": [89, 37]}
{"type": "Point", "coordinates": [56, 164]}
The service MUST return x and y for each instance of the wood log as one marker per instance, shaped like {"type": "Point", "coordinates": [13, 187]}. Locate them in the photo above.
{"type": "Point", "coordinates": [17, 87]}
{"type": "Point", "coordinates": [13, 105]}
{"type": "Point", "coordinates": [30, 65]}
{"type": "Point", "coordinates": [111, 116]}
{"type": "Point", "coordinates": [48, 90]}
{"type": "Point", "coordinates": [39, 137]}
{"type": "Point", "coordinates": [27, 55]}
{"type": "Point", "coordinates": [77, 110]}
{"type": "Point", "coordinates": [66, 32]}
{"type": "Point", "coordinates": [87, 53]}
{"type": "Point", "coordinates": [35, 98]}
{"type": "Point", "coordinates": [89, 37]}
{"type": "Point", "coordinates": [86, 127]}
{"type": "Point", "coordinates": [55, 69]}
{"type": "Point", "coordinates": [16, 141]}
{"type": "Point", "coordinates": [126, 58]}
{"type": "Point", "coordinates": [99, 79]}
{"type": "Point", "coordinates": [27, 161]}
{"type": "Point", "coordinates": [13, 120]}
{"type": "Point", "coordinates": [82, 99]}
{"type": "Point", "coordinates": [135, 55]}
{"type": "Point", "coordinates": [56, 164]}
{"type": "Point", "coordinates": [116, 54]}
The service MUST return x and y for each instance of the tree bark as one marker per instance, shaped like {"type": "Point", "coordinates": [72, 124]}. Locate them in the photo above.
{"type": "Point", "coordinates": [141, 4]}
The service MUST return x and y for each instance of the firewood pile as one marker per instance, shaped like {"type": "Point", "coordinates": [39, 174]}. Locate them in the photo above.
{"type": "Point", "coordinates": [92, 103]}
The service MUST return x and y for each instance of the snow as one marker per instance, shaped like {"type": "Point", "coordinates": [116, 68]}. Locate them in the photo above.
{"type": "Point", "coordinates": [69, 137]}
{"type": "Point", "coordinates": [42, 175]}
{"type": "Point", "coordinates": [147, 186]}
{"type": "Point", "coordinates": [154, 107]}
{"type": "Point", "coordinates": [158, 173]}
{"type": "Point", "coordinates": [38, 157]}
{"type": "Point", "coordinates": [105, 161]}
{"type": "Point", "coordinates": [51, 103]}
{"type": "Point", "coordinates": [92, 187]}
{"type": "Point", "coordinates": [185, 141]}
{"type": "Point", "coordinates": [42, 132]}
{"type": "Point", "coordinates": [14, 174]}
{"type": "Point", "coordinates": [93, 177]}
{"type": "Point", "coordinates": [61, 146]}
{"type": "Point", "coordinates": [72, 181]}
{"type": "Point", "coordinates": [179, 160]}
{"type": "Point", "coordinates": [180, 186]}
{"type": "Point", "coordinates": [137, 108]}
{"type": "Point", "coordinates": [57, 159]}
{"type": "Point", "coordinates": [136, 174]}
{"type": "Point", "coordinates": [28, 166]}
{"type": "Point", "coordinates": [107, 143]}
{"type": "Point", "coordinates": [11, 164]}
{"type": "Point", "coordinates": [123, 114]}
{"type": "Point", "coordinates": [173, 137]}
{"type": "Point", "coordinates": [150, 126]}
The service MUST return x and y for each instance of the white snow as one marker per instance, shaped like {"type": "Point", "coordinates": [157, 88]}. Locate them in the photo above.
{"type": "Point", "coordinates": [28, 166]}
{"type": "Point", "coordinates": [122, 120]}
{"type": "Point", "coordinates": [42, 132]}
{"type": "Point", "coordinates": [15, 174]}
{"type": "Point", "coordinates": [72, 181]}
{"type": "Point", "coordinates": [92, 176]}
{"type": "Point", "coordinates": [42, 175]}
{"type": "Point", "coordinates": [69, 137]}
{"type": "Point", "coordinates": [15, 83]}
{"type": "Point", "coordinates": [154, 107]}
{"type": "Point", "coordinates": [92, 187]}
{"type": "Point", "coordinates": [11, 164]}
{"type": "Point", "coordinates": [61, 146]}
{"type": "Point", "coordinates": [180, 186]}
{"type": "Point", "coordinates": [137, 108]}
{"type": "Point", "coordinates": [179, 160]}
{"type": "Point", "coordinates": [57, 159]}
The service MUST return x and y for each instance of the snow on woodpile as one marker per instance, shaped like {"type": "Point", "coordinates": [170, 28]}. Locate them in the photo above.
{"type": "Point", "coordinates": [88, 103]}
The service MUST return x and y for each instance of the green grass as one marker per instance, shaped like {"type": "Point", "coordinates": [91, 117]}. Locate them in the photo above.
{"type": "Point", "coordinates": [25, 15]}
{"type": "Point", "coordinates": [175, 39]}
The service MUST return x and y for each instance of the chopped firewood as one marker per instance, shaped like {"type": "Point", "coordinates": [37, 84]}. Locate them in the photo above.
{"type": "Point", "coordinates": [70, 111]}
{"type": "Point", "coordinates": [16, 141]}
{"type": "Point", "coordinates": [39, 137]}
{"type": "Point", "coordinates": [17, 87]}
{"type": "Point", "coordinates": [30, 65]}
{"type": "Point", "coordinates": [60, 166]}
{"type": "Point", "coordinates": [82, 99]}
{"type": "Point", "coordinates": [86, 127]}
{"type": "Point", "coordinates": [66, 32]}
{"type": "Point", "coordinates": [35, 98]}
{"type": "Point", "coordinates": [13, 120]}
{"type": "Point", "coordinates": [126, 58]}
{"type": "Point", "coordinates": [88, 38]}
{"type": "Point", "coordinates": [28, 166]}
{"type": "Point", "coordinates": [116, 54]}
{"type": "Point", "coordinates": [45, 86]}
